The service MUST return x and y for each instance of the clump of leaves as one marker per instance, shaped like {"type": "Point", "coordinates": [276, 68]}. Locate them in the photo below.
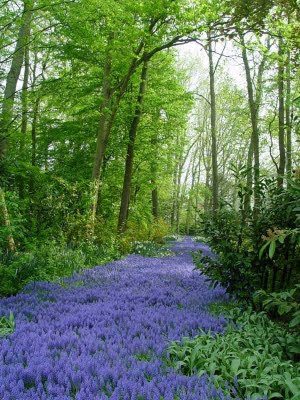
{"type": "Point", "coordinates": [249, 360]}
{"type": "Point", "coordinates": [172, 238]}
{"type": "Point", "coordinates": [277, 236]}
{"type": "Point", "coordinates": [231, 270]}
{"type": "Point", "coordinates": [284, 306]}
{"type": "Point", "coordinates": [150, 249]}
{"type": "Point", "coordinates": [49, 263]}
{"type": "Point", "coordinates": [7, 325]}
{"type": "Point", "coordinates": [201, 239]}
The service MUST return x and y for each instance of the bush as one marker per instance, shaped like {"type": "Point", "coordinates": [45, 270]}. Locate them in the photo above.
{"type": "Point", "coordinates": [250, 360]}
{"type": "Point", "coordinates": [281, 304]}
{"type": "Point", "coordinates": [255, 253]}
{"type": "Point", "coordinates": [49, 263]}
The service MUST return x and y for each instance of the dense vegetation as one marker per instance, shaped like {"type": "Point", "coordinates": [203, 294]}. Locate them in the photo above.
{"type": "Point", "coordinates": [126, 124]}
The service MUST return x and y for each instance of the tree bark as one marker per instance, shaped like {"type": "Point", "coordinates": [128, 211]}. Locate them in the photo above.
{"type": "Point", "coordinates": [104, 124]}
{"type": "Point", "coordinates": [215, 183]}
{"type": "Point", "coordinates": [6, 222]}
{"type": "Point", "coordinates": [7, 106]}
{"type": "Point", "coordinates": [189, 205]}
{"type": "Point", "coordinates": [154, 192]}
{"type": "Point", "coordinates": [249, 182]}
{"type": "Point", "coordinates": [281, 140]}
{"type": "Point", "coordinates": [155, 202]}
{"type": "Point", "coordinates": [125, 199]}
{"type": "Point", "coordinates": [288, 122]}
{"type": "Point", "coordinates": [24, 116]}
{"type": "Point", "coordinates": [13, 77]}
{"type": "Point", "coordinates": [255, 132]}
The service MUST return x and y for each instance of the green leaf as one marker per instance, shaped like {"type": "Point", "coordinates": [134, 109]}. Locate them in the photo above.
{"type": "Point", "coordinates": [262, 249]}
{"type": "Point", "coordinates": [272, 248]}
{"type": "Point", "coordinates": [235, 364]}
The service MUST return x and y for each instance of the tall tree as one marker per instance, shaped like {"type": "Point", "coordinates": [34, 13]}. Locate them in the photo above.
{"type": "Point", "coordinates": [213, 115]}
{"type": "Point", "coordinates": [8, 102]}
{"type": "Point", "coordinates": [124, 207]}
{"type": "Point", "coordinates": [254, 100]}
{"type": "Point", "coordinates": [281, 122]}
{"type": "Point", "coordinates": [13, 76]}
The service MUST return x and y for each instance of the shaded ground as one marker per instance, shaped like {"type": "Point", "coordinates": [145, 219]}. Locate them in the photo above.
{"type": "Point", "coordinates": [104, 334]}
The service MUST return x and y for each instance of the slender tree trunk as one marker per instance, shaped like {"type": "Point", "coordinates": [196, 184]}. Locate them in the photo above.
{"type": "Point", "coordinates": [197, 192]}
{"type": "Point", "coordinates": [189, 206]}
{"type": "Point", "coordinates": [249, 182]}
{"type": "Point", "coordinates": [125, 199]}
{"type": "Point", "coordinates": [33, 131]}
{"type": "Point", "coordinates": [13, 77]}
{"type": "Point", "coordinates": [6, 222]}
{"type": "Point", "coordinates": [175, 173]}
{"type": "Point", "coordinates": [24, 115]}
{"type": "Point", "coordinates": [103, 134]}
{"type": "Point", "coordinates": [255, 131]}
{"type": "Point", "coordinates": [173, 210]}
{"type": "Point", "coordinates": [214, 152]}
{"type": "Point", "coordinates": [178, 205]}
{"type": "Point", "coordinates": [288, 119]}
{"type": "Point", "coordinates": [155, 203]}
{"type": "Point", "coordinates": [207, 186]}
{"type": "Point", "coordinates": [154, 193]}
{"type": "Point", "coordinates": [281, 140]}
{"type": "Point", "coordinates": [7, 106]}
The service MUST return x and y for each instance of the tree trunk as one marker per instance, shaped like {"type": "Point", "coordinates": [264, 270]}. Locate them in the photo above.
{"type": "Point", "coordinates": [7, 106]}
{"type": "Point", "coordinates": [173, 209]}
{"type": "Point", "coordinates": [281, 140]}
{"type": "Point", "coordinates": [24, 116]}
{"type": "Point", "coordinates": [125, 199]}
{"type": "Point", "coordinates": [154, 193]}
{"type": "Point", "coordinates": [215, 183]}
{"type": "Point", "coordinates": [13, 77]}
{"type": "Point", "coordinates": [6, 222]}
{"type": "Point", "coordinates": [189, 206]}
{"type": "Point", "coordinates": [249, 182]}
{"type": "Point", "coordinates": [103, 134]}
{"type": "Point", "coordinates": [155, 202]}
{"type": "Point", "coordinates": [288, 119]}
{"type": "Point", "coordinates": [255, 131]}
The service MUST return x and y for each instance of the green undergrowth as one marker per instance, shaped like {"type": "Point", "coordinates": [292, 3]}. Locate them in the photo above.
{"type": "Point", "coordinates": [253, 358]}
{"type": "Point", "coordinates": [50, 262]}
{"type": "Point", "coordinates": [7, 325]}
{"type": "Point", "coordinates": [150, 249]}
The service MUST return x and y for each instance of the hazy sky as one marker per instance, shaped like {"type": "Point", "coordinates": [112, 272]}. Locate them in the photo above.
{"type": "Point", "coordinates": [193, 53]}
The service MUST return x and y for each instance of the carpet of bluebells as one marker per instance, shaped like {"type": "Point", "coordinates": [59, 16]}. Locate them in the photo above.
{"type": "Point", "coordinates": [104, 333]}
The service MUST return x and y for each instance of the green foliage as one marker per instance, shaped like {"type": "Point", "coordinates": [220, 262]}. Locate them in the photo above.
{"type": "Point", "coordinates": [284, 305]}
{"type": "Point", "coordinates": [172, 238]}
{"type": "Point", "coordinates": [7, 325]}
{"type": "Point", "coordinates": [150, 249]}
{"type": "Point", "coordinates": [276, 237]}
{"type": "Point", "coordinates": [234, 265]}
{"type": "Point", "coordinates": [251, 255]}
{"type": "Point", "coordinates": [249, 360]}
{"type": "Point", "coordinates": [201, 239]}
{"type": "Point", "coordinates": [49, 263]}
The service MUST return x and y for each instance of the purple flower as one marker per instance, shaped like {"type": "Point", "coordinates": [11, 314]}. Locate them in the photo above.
{"type": "Point", "coordinates": [107, 338]}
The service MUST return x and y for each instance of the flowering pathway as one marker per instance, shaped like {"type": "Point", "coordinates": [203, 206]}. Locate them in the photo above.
{"type": "Point", "coordinates": [104, 333]}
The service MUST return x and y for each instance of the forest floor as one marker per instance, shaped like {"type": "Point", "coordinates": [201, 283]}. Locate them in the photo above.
{"type": "Point", "coordinates": [104, 333]}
